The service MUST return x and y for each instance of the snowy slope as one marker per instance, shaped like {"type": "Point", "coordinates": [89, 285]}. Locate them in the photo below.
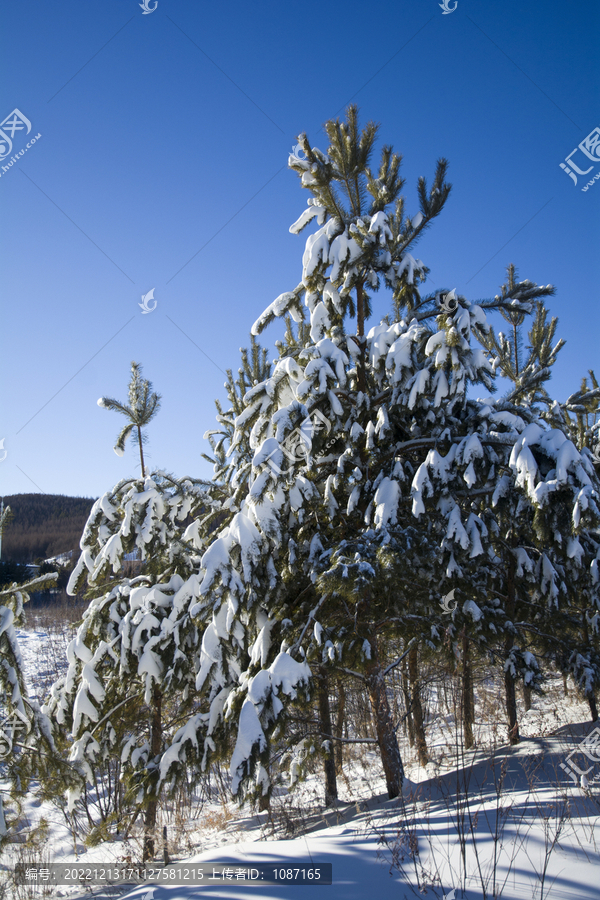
{"type": "Point", "coordinates": [517, 802]}
{"type": "Point", "coordinates": [516, 793]}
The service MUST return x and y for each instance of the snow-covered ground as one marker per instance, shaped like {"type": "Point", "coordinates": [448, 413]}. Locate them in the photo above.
{"type": "Point", "coordinates": [514, 806]}
{"type": "Point", "coordinates": [44, 657]}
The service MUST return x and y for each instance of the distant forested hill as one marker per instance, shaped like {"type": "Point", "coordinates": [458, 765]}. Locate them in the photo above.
{"type": "Point", "coordinates": [43, 525]}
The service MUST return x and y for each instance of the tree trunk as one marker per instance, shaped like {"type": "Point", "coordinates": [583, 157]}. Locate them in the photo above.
{"type": "Point", "coordinates": [509, 681]}
{"type": "Point", "coordinates": [527, 697]}
{"type": "Point", "coordinates": [417, 709]}
{"type": "Point", "coordinates": [565, 686]}
{"type": "Point", "coordinates": [264, 800]}
{"type": "Point", "coordinates": [591, 697]}
{"type": "Point", "coordinates": [141, 451]}
{"type": "Point", "coordinates": [264, 803]}
{"type": "Point", "coordinates": [166, 857]}
{"type": "Point", "coordinates": [468, 698]}
{"type": "Point", "coordinates": [339, 727]}
{"type": "Point", "coordinates": [360, 331]}
{"type": "Point", "coordinates": [409, 719]}
{"type": "Point", "coordinates": [331, 793]}
{"type": "Point", "coordinates": [155, 748]}
{"type": "Point", "coordinates": [511, 708]}
{"type": "Point", "coordinates": [384, 727]}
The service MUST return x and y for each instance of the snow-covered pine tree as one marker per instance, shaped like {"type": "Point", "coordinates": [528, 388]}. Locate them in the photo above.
{"type": "Point", "coordinates": [236, 575]}
{"type": "Point", "coordinates": [435, 367]}
{"type": "Point", "coordinates": [579, 415]}
{"type": "Point", "coordinates": [528, 503]}
{"type": "Point", "coordinates": [557, 495]}
{"type": "Point", "coordinates": [373, 473]}
{"type": "Point", "coordinates": [557, 613]}
{"type": "Point", "coordinates": [270, 528]}
{"type": "Point", "coordinates": [528, 375]}
{"type": "Point", "coordinates": [130, 684]}
{"type": "Point", "coordinates": [26, 744]}
{"type": "Point", "coordinates": [131, 678]}
{"type": "Point", "coordinates": [331, 392]}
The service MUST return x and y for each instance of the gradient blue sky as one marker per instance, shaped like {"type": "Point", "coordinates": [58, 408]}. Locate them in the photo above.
{"type": "Point", "coordinates": [163, 164]}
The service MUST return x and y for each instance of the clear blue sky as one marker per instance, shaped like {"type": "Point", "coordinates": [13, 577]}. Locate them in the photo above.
{"type": "Point", "coordinates": [163, 164]}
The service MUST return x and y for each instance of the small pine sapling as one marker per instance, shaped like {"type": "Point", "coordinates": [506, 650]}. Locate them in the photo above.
{"type": "Point", "coordinates": [143, 406]}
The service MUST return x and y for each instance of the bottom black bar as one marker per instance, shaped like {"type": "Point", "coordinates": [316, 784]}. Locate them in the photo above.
{"type": "Point", "coordinates": [277, 872]}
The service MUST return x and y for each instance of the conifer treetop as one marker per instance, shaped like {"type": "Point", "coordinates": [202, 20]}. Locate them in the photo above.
{"type": "Point", "coordinates": [364, 235]}
{"type": "Point", "coordinates": [580, 414]}
{"type": "Point", "coordinates": [144, 403]}
{"type": "Point", "coordinates": [528, 372]}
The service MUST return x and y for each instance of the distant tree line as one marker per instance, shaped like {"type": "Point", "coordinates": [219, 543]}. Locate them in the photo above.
{"type": "Point", "coordinates": [43, 525]}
